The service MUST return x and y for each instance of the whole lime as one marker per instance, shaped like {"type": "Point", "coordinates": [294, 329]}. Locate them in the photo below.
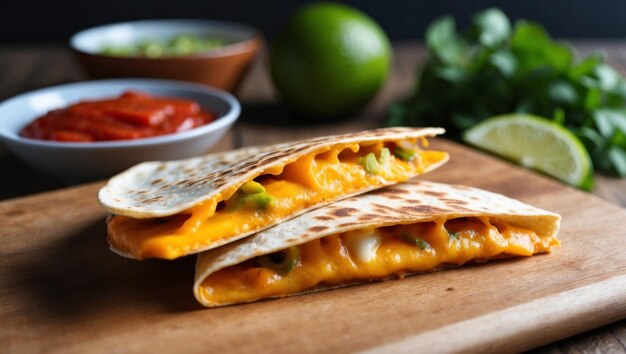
{"type": "Point", "coordinates": [329, 60]}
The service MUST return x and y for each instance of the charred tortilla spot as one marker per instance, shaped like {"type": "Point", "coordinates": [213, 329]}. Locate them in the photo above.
{"type": "Point", "coordinates": [269, 160]}
{"type": "Point", "coordinates": [153, 200]}
{"type": "Point", "coordinates": [318, 228]}
{"type": "Point", "coordinates": [384, 209]}
{"type": "Point", "coordinates": [324, 217]}
{"type": "Point", "coordinates": [433, 193]}
{"type": "Point", "coordinates": [156, 181]}
{"type": "Point", "coordinates": [392, 191]}
{"type": "Point", "coordinates": [423, 209]}
{"type": "Point", "coordinates": [414, 201]}
{"type": "Point", "coordinates": [343, 212]}
{"type": "Point", "coordinates": [454, 201]}
{"type": "Point", "coordinates": [348, 224]}
{"type": "Point", "coordinates": [248, 164]}
{"type": "Point", "coordinates": [366, 217]}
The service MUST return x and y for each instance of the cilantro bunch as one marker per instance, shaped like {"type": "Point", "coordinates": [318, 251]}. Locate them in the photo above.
{"type": "Point", "coordinates": [494, 68]}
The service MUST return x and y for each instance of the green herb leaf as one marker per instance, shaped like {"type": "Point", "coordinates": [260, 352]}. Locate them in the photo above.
{"type": "Point", "coordinates": [493, 27]}
{"type": "Point", "coordinates": [562, 92]}
{"type": "Point", "coordinates": [618, 158]}
{"type": "Point", "coordinates": [446, 45]}
{"type": "Point", "coordinates": [534, 49]}
{"type": "Point", "coordinates": [505, 62]}
{"type": "Point", "coordinates": [608, 78]}
{"type": "Point", "coordinates": [586, 67]}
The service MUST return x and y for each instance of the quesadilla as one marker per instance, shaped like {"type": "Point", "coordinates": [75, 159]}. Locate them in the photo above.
{"type": "Point", "coordinates": [171, 209]}
{"type": "Point", "coordinates": [409, 228]}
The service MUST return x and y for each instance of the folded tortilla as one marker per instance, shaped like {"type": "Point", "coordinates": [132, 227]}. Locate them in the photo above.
{"type": "Point", "coordinates": [172, 209]}
{"type": "Point", "coordinates": [409, 228]}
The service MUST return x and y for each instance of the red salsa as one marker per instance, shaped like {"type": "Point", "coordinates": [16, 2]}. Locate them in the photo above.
{"type": "Point", "coordinates": [133, 115]}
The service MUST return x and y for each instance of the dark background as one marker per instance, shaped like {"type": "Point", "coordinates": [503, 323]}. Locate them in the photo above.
{"type": "Point", "coordinates": [54, 21]}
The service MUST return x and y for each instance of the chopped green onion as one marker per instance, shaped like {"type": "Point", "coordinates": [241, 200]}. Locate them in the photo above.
{"type": "Point", "coordinates": [385, 155]}
{"type": "Point", "coordinates": [370, 164]}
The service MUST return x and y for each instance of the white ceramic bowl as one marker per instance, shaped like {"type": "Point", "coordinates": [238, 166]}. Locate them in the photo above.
{"type": "Point", "coordinates": [77, 162]}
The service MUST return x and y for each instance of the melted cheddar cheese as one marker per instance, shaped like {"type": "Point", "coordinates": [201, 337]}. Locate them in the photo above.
{"type": "Point", "coordinates": [310, 180]}
{"type": "Point", "coordinates": [375, 254]}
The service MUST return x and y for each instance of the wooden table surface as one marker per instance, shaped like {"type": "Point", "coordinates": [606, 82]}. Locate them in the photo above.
{"type": "Point", "coordinates": [265, 121]}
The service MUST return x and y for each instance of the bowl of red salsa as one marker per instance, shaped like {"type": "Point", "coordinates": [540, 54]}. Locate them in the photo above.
{"type": "Point", "coordinates": [89, 130]}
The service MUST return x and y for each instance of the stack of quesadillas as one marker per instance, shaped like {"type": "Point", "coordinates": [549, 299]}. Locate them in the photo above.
{"type": "Point", "coordinates": [314, 214]}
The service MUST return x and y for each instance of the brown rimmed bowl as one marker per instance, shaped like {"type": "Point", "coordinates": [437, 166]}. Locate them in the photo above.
{"type": "Point", "coordinates": [222, 67]}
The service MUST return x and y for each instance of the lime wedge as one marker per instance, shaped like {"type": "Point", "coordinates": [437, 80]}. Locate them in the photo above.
{"type": "Point", "coordinates": [536, 143]}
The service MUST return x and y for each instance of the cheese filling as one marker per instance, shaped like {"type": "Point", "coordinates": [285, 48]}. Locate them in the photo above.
{"type": "Point", "coordinates": [338, 171]}
{"type": "Point", "coordinates": [372, 254]}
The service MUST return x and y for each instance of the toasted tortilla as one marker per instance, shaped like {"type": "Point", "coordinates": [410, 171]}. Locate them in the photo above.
{"type": "Point", "coordinates": [161, 189]}
{"type": "Point", "coordinates": [156, 189]}
{"type": "Point", "coordinates": [402, 204]}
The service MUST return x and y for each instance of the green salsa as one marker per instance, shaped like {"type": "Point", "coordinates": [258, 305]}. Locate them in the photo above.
{"type": "Point", "coordinates": [181, 45]}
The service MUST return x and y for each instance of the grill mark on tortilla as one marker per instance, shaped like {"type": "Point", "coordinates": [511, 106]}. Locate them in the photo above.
{"type": "Point", "coordinates": [454, 201]}
{"type": "Point", "coordinates": [426, 209]}
{"type": "Point", "coordinates": [433, 194]}
{"type": "Point", "coordinates": [342, 212]}
{"type": "Point", "coordinates": [390, 191]}
{"type": "Point", "coordinates": [324, 217]}
{"type": "Point", "coordinates": [367, 217]}
{"type": "Point", "coordinates": [414, 201]}
{"type": "Point", "coordinates": [384, 209]}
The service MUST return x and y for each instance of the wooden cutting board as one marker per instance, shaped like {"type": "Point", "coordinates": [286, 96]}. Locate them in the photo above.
{"type": "Point", "coordinates": [61, 289]}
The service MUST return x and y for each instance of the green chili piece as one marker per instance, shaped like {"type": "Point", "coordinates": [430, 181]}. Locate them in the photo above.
{"type": "Point", "coordinates": [415, 241]}
{"type": "Point", "coordinates": [281, 262]}
{"type": "Point", "coordinates": [259, 201]}
{"type": "Point", "coordinates": [404, 154]}
{"type": "Point", "coordinates": [252, 187]}
{"type": "Point", "coordinates": [250, 195]}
